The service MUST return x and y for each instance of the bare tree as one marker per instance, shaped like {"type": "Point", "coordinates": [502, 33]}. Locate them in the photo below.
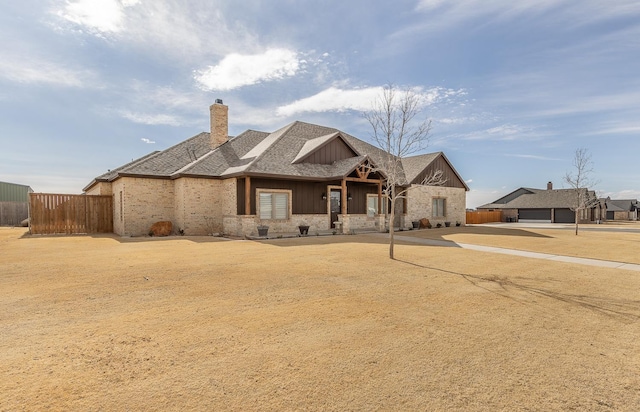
{"type": "Point", "coordinates": [580, 181]}
{"type": "Point", "coordinates": [399, 133]}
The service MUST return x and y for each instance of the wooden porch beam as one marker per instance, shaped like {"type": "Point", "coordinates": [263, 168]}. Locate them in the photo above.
{"type": "Point", "coordinates": [362, 180]}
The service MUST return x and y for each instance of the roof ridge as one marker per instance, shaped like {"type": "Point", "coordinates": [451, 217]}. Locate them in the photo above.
{"type": "Point", "coordinates": [278, 135]}
{"type": "Point", "coordinates": [194, 162]}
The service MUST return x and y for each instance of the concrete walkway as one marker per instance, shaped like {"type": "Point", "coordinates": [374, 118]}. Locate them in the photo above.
{"type": "Point", "coordinates": [513, 252]}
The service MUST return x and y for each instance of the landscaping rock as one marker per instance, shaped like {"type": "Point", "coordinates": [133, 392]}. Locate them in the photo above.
{"type": "Point", "coordinates": [424, 223]}
{"type": "Point", "coordinates": [163, 228]}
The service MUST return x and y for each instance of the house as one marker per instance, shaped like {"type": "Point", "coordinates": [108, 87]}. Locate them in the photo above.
{"type": "Point", "coordinates": [546, 206]}
{"type": "Point", "coordinates": [300, 174]}
{"type": "Point", "coordinates": [14, 203]}
{"type": "Point", "coordinates": [622, 209]}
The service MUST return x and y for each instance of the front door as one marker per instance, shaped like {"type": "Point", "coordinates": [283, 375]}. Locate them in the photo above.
{"type": "Point", "coordinates": [335, 198]}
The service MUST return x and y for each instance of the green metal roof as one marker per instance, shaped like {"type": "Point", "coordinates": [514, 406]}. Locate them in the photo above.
{"type": "Point", "coordinates": [12, 192]}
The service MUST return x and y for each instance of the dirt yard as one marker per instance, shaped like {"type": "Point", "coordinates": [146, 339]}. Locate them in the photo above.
{"type": "Point", "coordinates": [317, 323]}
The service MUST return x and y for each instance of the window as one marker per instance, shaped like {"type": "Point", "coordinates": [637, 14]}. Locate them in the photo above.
{"type": "Point", "coordinates": [439, 207]}
{"type": "Point", "coordinates": [274, 205]}
{"type": "Point", "coordinates": [372, 205]}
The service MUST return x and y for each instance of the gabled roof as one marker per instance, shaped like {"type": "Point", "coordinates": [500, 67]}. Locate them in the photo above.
{"type": "Point", "coordinates": [622, 205]}
{"type": "Point", "coordinates": [415, 167]}
{"type": "Point", "coordinates": [528, 198]}
{"type": "Point", "coordinates": [253, 153]}
{"type": "Point", "coordinates": [314, 144]}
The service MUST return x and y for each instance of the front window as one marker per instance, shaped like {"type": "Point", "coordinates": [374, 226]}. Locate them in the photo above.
{"type": "Point", "coordinates": [439, 207]}
{"type": "Point", "coordinates": [273, 205]}
{"type": "Point", "coordinates": [372, 205]}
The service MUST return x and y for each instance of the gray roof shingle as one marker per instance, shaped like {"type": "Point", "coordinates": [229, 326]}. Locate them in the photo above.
{"type": "Point", "coordinates": [540, 199]}
{"type": "Point", "coordinates": [261, 153]}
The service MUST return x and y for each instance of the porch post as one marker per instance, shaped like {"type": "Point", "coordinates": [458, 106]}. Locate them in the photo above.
{"type": "Point", "coordinates": [247, 195]}
{"type": "Point", "coordinates": [380, 197]}
{"type": "Point", "coordinates": [343, 201]}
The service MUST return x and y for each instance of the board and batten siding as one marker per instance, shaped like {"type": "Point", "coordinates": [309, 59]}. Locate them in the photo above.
{"type": "Point", "coordinates": [307, 196]}
{"type": "Point", "coordinates": [329, 153]}
{"type": "Point", "coordinates": [448, 173]}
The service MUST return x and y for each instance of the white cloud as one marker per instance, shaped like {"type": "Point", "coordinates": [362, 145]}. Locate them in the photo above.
{"type": "Point", "coordinates": [236, 70]}
{"type": "Point", "coordinates": [98, 16]}
{"type": "Point", "coordinates": [33, 70]}
{"type": "Point", "coordinates": [622, 194]}
{"type": "Point", "coordinates": [335, 99]}
{"type": "Point", "coordinates": [147, 141]}
{"type": "Point", "coordinates": [620, 128]}
{"type": "Point", "coordinates": [502, 132]}
{"type": "Point", "coordinates": [448, 13]}
{"type": "Point", "coordinates": [189, 31]}
{"type": "Point", "coordinates": [152, 119]}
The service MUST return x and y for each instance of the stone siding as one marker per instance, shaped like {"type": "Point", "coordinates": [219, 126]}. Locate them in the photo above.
{"type": "Point", "coordinates": [358, 222]}
{"type": "Point", "coordinates": [420, 204]}
{"type": "Point", "coordinates": [100, 188]}
{"type": "Point", "coordinates": [248, 225]}
{"type": "Point", "coordinates": [198, 206]}
{"type": "Point", "coordinates": [139, 203]}
{"type": "Point", "coordinates": [624, 215]}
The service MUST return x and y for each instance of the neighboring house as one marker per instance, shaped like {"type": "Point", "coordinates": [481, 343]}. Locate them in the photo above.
{"type": "Point", "coordinates": [300, 174]}
{"type": "Point", "coordinates": [14, 203]}
{"type": "Point", "coordinates": [545, 206]}
{"type": "Point", "coordinates": [623, 209]}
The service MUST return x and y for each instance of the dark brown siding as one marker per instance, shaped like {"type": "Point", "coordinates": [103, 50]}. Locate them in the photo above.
{"type": "Point", "coordinates": [307, 196]}
{"type": "Point", "coordinates": [358, 203]}
{"type": "Point", "coordinates": [240, 195]}
{"type": "Point", "coordinates": [448, 173]}
{"type": "Point", "coordinates": [335, 150]}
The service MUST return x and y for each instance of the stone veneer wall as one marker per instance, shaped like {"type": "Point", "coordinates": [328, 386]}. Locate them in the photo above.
{"type": "Point", "coordinates": [143, 202]}
{"type": "Point", "coordinates": [419, 204]}
{"type": "Point", "coordinates": [621, 215]}
{"type": "Point", "coordinates": [358, 222]}
{"type": "Point", "coordinates": [198, 206]}
{"type": "Point", "coordinates": [100, 188]}
{"type": "Point", "coordinates": [248, 225]}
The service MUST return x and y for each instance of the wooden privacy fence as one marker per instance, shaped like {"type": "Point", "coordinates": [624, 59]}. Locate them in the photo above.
{"type": "Point", "coordinates": [481, 216]}
{"type": "Point", "coordinates": [70, 214]}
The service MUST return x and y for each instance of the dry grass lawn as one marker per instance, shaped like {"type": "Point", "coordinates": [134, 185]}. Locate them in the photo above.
{"type": "Point", "coordinates": [320, 323]}
{"type": "Point", "coordinates": [594, 244]}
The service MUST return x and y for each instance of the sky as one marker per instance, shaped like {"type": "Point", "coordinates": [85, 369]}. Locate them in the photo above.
{"type": "Point", "coordinates": [512, 89]}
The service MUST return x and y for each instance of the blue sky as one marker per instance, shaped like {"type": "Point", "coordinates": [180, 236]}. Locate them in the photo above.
{"type": "Point", "coordinates": [512, 88]}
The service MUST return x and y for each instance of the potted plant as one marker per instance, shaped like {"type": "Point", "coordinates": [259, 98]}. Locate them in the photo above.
{"type": "Point", "coordinates": [439, 225]}
{"type": "Point", "coordinates": [415, 224]}
{"type": "Point", "coordinates": [263, 230]}
{"type": "Point", "coordinates": [447, 224]}
{"type": "Point", "coordinates": [303, 228]}
{"type": "Point", "coordinates": [458, 223]}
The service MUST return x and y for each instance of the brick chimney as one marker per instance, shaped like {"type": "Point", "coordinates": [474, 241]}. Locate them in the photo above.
{"type": "Point", "coordinates": [219, 124]}
{"type": "Point", "coordinates": [550, 186]}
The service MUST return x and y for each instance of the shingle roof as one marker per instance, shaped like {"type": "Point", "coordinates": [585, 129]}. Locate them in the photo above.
{"type": "Point", "coordinates": [620, 205]}
{"type": "Point", "coordinates": [260, 153]}
{"type": "Point", "coordinates": [415, 165]}
{"type": "Point", "coordinates": [539, 199]}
